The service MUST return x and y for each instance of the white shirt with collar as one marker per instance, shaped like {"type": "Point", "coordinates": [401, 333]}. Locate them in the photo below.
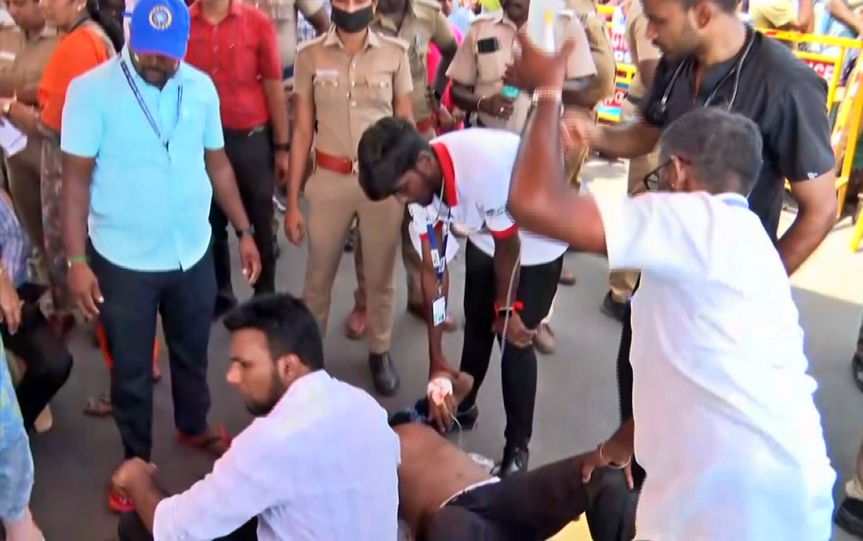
{"type": "Point", "coordinates": [477, 168]}
{"type": "Point", "coordinates": [320, 466]}
{"type": "Point", "coordinates": [725, 422]}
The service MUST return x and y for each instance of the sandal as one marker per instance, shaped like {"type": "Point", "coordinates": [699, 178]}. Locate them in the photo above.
{"type": "Point", "coordinates": [216, 444]}
{"type": "Point", "coordinates": [356, 324]}
{"type": "Point", "coordinates": [119, 502]}
{"type": "Point", "coordinates": [99, 406]}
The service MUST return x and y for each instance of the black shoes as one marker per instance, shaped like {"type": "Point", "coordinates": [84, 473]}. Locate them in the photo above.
{"type": "Point", "coordinates": [849, 517]}
{"type": "Point", "coordinates": [612, 308]}
{"type": "Point", "coordinates": [384, 374]}
{"type": "Point", "coordinates": [515, 459]}
{"type": "Point", "coordinates": [857, 370]}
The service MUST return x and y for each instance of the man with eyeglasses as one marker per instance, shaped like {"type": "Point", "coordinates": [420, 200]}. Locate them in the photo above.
{"type": "Point", "coordinates": [711, 58]}
{"type": "Point", "coordinates": [724, 414]}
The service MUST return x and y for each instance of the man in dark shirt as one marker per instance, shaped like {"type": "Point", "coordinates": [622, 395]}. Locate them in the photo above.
{"type": "Point", "coordinates": [711, 58]}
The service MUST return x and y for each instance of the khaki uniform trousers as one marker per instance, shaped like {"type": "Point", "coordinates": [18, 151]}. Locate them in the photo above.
{"type": "Point", "coordinates": [411, 259]}
{"type": "Point", "coordinates": [334, 200]}
{"type": "Point", "coordinates": [622, 282]}
{"type": "Point", "coordinates": [572, 169]}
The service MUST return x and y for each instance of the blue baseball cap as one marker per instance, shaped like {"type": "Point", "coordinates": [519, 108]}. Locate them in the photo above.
{"type": "Point", "coordinates": [160, 27]}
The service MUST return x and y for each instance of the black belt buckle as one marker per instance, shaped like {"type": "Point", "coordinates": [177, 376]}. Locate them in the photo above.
{"type": "Point", "coordinates": [255, 130]}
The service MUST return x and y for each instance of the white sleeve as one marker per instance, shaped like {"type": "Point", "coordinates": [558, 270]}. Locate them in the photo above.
{"type": "Point", "coordinates": [492, 199]}
{"type": "Point", "coordinates": [667, 234]}
{"type": "Point", "coordinates": [245, 472]}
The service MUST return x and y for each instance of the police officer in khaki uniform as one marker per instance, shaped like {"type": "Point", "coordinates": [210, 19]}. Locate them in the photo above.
{"type": "Point", "coordinates": [37, 44]}
{"type": "Point", "coordinates": [601, 86]}
{"type": "Point", "coordinates": [344, 81]}
{"type": "Point", "coordinates": [598, 89]}
{"type": "Point", "coordinates": [645, 55]}
{"type": "Point", "coordinates": [284, 16]}
{"type": "Point", "coordinates": [10, 45]}
{"type": "Point", "coordinates": [419, 23]}
{"type": "Point", "coordinates": [478, 70]}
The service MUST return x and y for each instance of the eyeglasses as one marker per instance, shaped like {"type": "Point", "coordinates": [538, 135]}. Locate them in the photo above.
{"type": "Point", "coordinates": [651, 180]}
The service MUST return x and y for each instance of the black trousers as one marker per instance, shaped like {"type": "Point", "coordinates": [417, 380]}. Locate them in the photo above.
{"type": "Point", "coordinates": [251, 156]}
{"type": "Point", "coordinates": [536, 289]}
{"type": "Point", "coordinates": [185, 300]}
{"type": "Point", "coordinates": [535, 505]}
{"type": "Point", "coordinates": [624, 384]}
{"type": "Point", "coordinates": [132, 528]}
{"type": "Point", "coordinates": [46, 359]}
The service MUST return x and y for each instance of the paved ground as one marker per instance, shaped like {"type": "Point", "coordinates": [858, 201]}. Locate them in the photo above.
{"type": "Point", "coordinates": [577, 404]}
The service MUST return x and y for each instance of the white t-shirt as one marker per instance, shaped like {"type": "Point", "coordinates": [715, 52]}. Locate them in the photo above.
{"type": "Point", "coordinates": [725, 422]}
{"type": "Point", "coordinates": [477, 168]}
{"type": "Point", "coordinates": [416, 236]}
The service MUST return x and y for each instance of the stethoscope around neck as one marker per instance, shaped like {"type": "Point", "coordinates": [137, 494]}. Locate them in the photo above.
{"type": "Point", "coordinates": [658, 112]}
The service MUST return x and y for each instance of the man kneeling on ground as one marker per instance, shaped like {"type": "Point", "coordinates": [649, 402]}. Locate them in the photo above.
{"type": "Point", "coordinates": [444, 495]}
{"type": "Point", "coordinates": [318, 462]}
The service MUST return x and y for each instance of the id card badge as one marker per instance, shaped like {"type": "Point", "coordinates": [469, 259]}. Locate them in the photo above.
{"type": "Point", "coordinates": [439, 310]}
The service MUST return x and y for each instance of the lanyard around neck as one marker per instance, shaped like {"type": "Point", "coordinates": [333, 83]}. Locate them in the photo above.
{"type": "Point", "coordinates": [737, 202]}
{"type": "Point", "coordinates": [143, 105]}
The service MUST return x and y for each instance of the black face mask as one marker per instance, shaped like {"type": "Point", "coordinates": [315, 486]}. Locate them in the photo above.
{"type": "Point", "coordinates": [352, 21]}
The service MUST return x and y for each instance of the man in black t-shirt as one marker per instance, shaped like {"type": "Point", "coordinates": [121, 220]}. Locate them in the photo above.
{"type": "Point", "coordinates": [711, 58]}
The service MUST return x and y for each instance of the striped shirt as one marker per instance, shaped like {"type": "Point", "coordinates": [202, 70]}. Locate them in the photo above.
{"type": "Point", "coordinates": [15, 245]}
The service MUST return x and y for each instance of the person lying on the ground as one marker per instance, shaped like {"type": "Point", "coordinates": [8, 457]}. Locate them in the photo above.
{"type": "Point", "coordinates": [724, 418]}
{"type": "Point", "coordinates": [444, 495]}
{"type": "Point", "coordinates": [318, 462]}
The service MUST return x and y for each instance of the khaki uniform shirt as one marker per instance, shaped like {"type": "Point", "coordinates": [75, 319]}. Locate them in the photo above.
{"type": "Point", "coordinates": [350, 92]}
{"type": "Point", "coordinates": [422, 24]}
{"type": "Point", "coordinates": [484, 71]}
{"type": "Point", "coordinates": [11, 40]}
{"type": "Point", "coordinates": [640, 48]}
{"type": "Point", "coordinates": [26, 72]}
{"type": "Point", "coordinates": [284, 15]}
{"type": "Point", "coordinates": [601, 86]}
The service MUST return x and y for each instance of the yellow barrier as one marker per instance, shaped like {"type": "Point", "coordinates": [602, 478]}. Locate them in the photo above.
{"type": "Point", "coordinates": [609, 110]}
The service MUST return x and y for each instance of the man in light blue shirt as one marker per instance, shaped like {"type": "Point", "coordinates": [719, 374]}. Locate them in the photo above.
{"type": "Point", "coordinates": [143, 154]}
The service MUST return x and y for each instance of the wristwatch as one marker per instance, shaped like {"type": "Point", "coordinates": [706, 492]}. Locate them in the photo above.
{"type": "Point", "coordinates": [247, 232]}
{"type": "Point", "coordinates": [286, 147]}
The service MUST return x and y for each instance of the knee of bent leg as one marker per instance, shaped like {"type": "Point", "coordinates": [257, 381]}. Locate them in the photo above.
{"type": "Point", "coordinates": [611, 515]}
{"type": "Point", "coordinates": [53, 367]}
